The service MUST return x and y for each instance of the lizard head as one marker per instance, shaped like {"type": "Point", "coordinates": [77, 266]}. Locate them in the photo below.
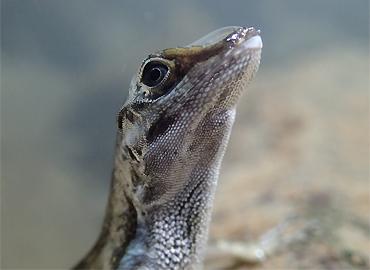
{"type": "Point", "coordinates": [176, 121]}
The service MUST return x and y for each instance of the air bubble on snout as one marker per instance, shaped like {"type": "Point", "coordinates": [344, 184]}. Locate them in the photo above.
{"type": "Point", "coordinates": [214, 36]}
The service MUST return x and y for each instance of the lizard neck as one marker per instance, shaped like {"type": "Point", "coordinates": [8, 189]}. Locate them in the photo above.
{"type": "Point", "coordinates": [174, 235]}
{"type": "Point", "coordinates": [119, 225]}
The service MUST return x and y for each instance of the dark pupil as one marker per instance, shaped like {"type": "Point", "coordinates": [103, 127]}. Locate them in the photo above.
{"type": "Point", "coordinates": [154, 73]}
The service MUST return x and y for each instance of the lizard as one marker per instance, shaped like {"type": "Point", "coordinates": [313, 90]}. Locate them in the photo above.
{"type": "Point", "coordinates": [172, 133]}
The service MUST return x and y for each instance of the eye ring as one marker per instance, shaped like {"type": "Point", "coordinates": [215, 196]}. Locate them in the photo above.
{"type": "Point", "coordinates": [157, 76]}
{"type": "Point", "coordinates": [155, 73]}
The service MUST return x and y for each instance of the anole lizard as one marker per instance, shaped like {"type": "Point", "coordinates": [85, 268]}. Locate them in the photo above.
{"type": "Point", "coordinates": [172, 134]}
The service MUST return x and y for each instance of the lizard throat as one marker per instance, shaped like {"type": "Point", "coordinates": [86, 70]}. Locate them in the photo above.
{"type": "Point", "coordinates": [173, 235]}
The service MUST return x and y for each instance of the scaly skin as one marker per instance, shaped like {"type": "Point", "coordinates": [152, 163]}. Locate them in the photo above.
{"type": "Point", "coordinates": [172, 134]}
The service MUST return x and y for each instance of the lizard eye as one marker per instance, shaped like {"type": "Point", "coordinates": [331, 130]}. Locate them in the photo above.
{"type": "Point", "coordinates": [155, 73]}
